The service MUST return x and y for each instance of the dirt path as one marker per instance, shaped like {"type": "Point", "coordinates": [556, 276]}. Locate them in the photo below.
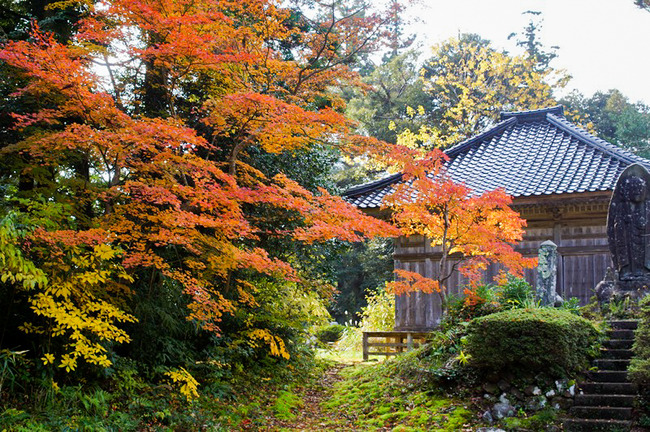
{"type": "Point", "coordinates": [311, 416]}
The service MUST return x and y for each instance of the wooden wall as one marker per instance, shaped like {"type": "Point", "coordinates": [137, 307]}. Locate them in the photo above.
{"type": "Point", "coordinates": [577, 226]}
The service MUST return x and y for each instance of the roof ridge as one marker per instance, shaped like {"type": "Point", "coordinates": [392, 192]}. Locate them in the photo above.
{"type": "Point", "coordinates": [533, 114]}
{"type": "Point", "coordinates": [499, 127]}
{"type": "Point", "coordinates": [602, 145]}
{"type": "Point", "coordinates": [366, 187]}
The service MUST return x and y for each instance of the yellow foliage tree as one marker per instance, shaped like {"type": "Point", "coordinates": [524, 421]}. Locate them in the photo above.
{"type": "Point", "coordinates": [82, 303]}
{"type": "Point", "coordinates": [471, 83]}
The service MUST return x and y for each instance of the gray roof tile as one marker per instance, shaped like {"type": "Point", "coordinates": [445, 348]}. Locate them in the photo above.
{"type": "Point", "coordinates": [529, 153]}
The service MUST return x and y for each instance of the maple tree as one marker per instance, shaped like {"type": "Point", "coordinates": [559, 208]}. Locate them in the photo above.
{"type": "Point", "coordinates": [468, 230]}
{"type": "Point", "coordinates": [153, 183]}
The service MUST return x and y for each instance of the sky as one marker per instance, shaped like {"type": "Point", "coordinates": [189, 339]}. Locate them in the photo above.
{"type": "Point", "coordinates": [603, 44]}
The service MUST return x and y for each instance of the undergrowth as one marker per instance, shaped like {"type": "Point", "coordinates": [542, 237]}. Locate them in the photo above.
{"type": "Point", "coordinates": [230, 399]}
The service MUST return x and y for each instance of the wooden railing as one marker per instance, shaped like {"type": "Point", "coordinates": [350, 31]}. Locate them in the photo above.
{"type": "Point", "coordinates": [391, 342]}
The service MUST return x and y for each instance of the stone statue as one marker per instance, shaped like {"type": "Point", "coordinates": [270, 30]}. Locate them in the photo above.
{"type": "Point", "coordinates": [628, 229]}
{"type": "Point", "coordinates": [607, 287]}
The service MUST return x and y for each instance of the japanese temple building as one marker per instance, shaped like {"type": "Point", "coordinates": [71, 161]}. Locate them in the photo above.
{"type": "Point", "coordinates": [561, 179]}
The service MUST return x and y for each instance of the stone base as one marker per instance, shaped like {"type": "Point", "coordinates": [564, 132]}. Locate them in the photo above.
{"type": "Point", "coordinates": [634, 295]}
{"type": "Point", "coordinates": [607, 291]}
{"type": "Point", "coordinates": [613, 287]}
{"type": "Point", "coordinates": [636, 285]}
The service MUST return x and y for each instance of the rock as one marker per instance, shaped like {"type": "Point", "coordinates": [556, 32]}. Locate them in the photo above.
{"type": "Point", "coordinates": [536, 404]}
{"type": "Point", "coordinates": [550, 393]}
{"type": "Point", "coordinates": [517, 394]}
{"type": "Point", "coordinates": [503, 385]}
{"type": "Point", "coordinates": [487, 416]}
{"type": "Point", "coordinates": [528, 391]}
{"type": "Point", "coordinates": [501, 411]}
{"type": "Point", "coordinates": [489, 429]}
{"type": "Point", "coordinates": [491, 388]}
{"type": "Point", "coordinates": [560, 385]}
{"type": "Point", "coordinates": [572, 390]}
{"type": "Point", "coordinates": [561, 403]}
{"type": "Point", "coordinates": [537, 391]}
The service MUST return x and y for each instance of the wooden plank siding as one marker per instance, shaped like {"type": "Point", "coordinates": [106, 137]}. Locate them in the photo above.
{"type": "Point", "coordinates": [579, 230]}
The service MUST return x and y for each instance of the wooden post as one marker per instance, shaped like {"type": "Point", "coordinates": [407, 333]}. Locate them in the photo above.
{"type": "Point", "coordinates": [409, 341]}
{"type": "Point", "coordinates": [365, 346]}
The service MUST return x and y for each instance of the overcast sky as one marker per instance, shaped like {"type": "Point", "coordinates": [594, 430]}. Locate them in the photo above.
{"type": "Point", "coordinates": [603, 43]}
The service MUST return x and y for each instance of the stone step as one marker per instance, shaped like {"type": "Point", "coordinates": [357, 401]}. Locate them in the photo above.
{"type": "Point", "coordinates": [618, 344]}
{"type": "Point", "coordinates": [604, 400]}
{"type": "Point", "coordinates": [623, 324]}
{"type": "Point", "coordinates": [621, 354]}
{"type": "Point", "coordinates": [596, 425]}
{"type": "Point", "coordinates": [608, 376]}
{"type": "Point", "coordinates": [620, 388]}
{"type": "Point", "coordinates": [624, 334]}
{"type": "Point", "coordinates": [612, 364]}
{"type": "Point", "coordinates": [607, 413]}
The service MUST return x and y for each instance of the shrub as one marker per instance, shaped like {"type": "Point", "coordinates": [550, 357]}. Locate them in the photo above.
{"type": "Point", "coordinates": [572, 305]}
{"type": "Point", "coordinates": [330, 333]}
{"type": "Point", "coordinates": [440, 364]}
{"type": "Point", "coordinates": [531, 341]}
{"type": "Point", "coordinates": [478, 301]}
{"type": "Point", "coordinates": [380, 312]}
{"type": "Point", "coordinates": [639, 369]}
{"type": "Point", "coordinates": [619, 308]}
{"type": "Point", "coordinates": [379, 315]}
{"type": "Point", "coordinates": [515, 292]}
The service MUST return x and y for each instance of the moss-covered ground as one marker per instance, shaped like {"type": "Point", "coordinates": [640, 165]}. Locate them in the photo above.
{"type": "Point", "coordinates": [372, 396]}
{"type": "Point", "coordinates": [377, 401]}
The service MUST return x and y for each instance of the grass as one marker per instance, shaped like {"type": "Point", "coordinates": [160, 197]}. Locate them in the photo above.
{"type": "Point", "coordinates": [340, 356]}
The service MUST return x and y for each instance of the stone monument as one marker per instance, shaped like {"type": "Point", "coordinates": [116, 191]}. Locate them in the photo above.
{"type": "Point", "coordinates": [547, 274]}
{"type": "Point", "coordinates": [628, 232]}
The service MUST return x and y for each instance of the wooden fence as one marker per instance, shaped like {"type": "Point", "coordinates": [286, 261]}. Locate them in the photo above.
{"type": "Point", "coordinates": [391, 342]}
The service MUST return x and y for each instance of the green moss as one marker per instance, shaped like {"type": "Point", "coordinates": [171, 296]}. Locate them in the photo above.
{"type": "Point", "coordinates": [536, 422]}
{"type": "Point", "coordinates": [383, 410]}
{"type": "Point", "coordinates": [381, 399]}
{"type": "Point", "coordinates": [458, 418]}
{"type": "Point", "coordinates": [402, 428]}
{"type": "Point", "coordinates": [639, 369]}
{"type": "Point", "coordinates": [422, 419]}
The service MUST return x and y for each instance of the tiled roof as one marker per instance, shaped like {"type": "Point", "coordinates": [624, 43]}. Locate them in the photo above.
{"type": "Point", "coordinates": [528, 153]}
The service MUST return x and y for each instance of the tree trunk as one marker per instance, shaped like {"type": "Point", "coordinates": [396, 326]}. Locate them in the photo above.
{"type": "Point", "coordinates": [156, 97]}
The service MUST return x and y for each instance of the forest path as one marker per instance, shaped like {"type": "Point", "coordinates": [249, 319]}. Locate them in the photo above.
{"type": "Point", "coordinates": [311, 416]}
